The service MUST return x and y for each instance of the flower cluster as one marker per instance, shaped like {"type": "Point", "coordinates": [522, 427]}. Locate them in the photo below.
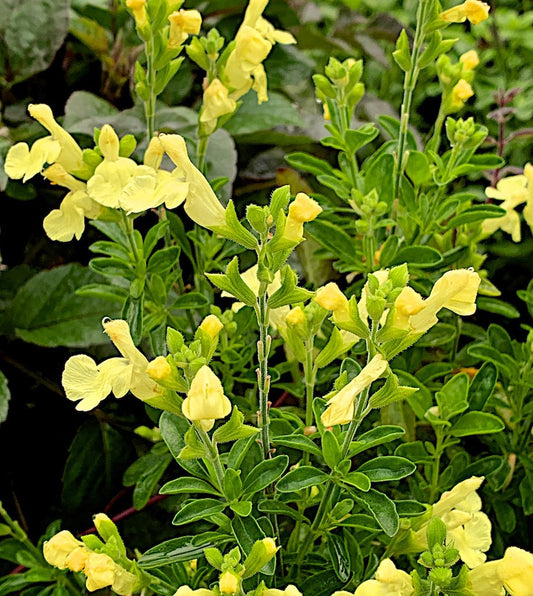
{"type": "Point", "coordinates": [513, 191]}
{"type": "Point", "coordinates": [101, 570]}
{"type": "Point", "coordinates": [113, 180]}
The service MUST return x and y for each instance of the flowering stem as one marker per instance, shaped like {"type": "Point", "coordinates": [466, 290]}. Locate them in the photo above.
{"type": "Point", "coordinates": [434, 142]}
{"type": "Point", "coordinates": [263, 378]}
{"type": "Point", "coordinates": [310, 378]}
{"type": "Point", "coordinates": [331, 489]}
{"type": "Point", "coordinates": [410, 80]}
{"type": "Point", "coordinates": [201, 152]}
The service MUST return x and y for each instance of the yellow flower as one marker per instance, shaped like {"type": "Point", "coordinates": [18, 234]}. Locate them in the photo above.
{"type": "Point", "coordinates": [159, 369]}
{"type": "Point", "coordinates": [516, 571]}
{"type": "Point", "coordinates": [77, 559]}
{"type": "Point", "coordinates": [186, 591]}
{"type": "Point", "coordinates": [468, 530]}
{"type": "Point", "coordinates": [138, 8]}
{"type": "Point", "coordinates": [295, 317]}
{"type": "Point", "coordinates": [341, 407]}
{"type": "Point", "coordinates": [301, 210]}
{"type": "Point", "coordinates": [469, 60]}
{"type": "Point", "coordinates": [89, 383]}
{"type": "Point", "coordinates": [216, 103]}
{"type": "Point", "coordinates": [228, 583]}
{"type": "Point", "coordinates": [253, 43]}
{"type": "Point", "coordinates": [57, 550]}
{"type": "Point", "coordinates": [389, 582]}
{"type": "Point", "coordinates": [182, 24]}
{"type": "Point", "coordinates": [485, 580]}
{"type": "Point", "coordinates": [100, 571]}
{"type": "Point", "coordinates": [460, 93]}
{"type": "Point", "coordinates": [70, 156]}
{"type": "Point", "coordinates": [408, 303]}
{"type": "Point", "coordinates": [513, 573]}
{"type": "Point", "coordinates": [201, 204]}
{"type": "Point", "coordinates": [528, 209]}
{"type": "Point", "coordinates": [116, 179]}
{"type": "Point", "coordinates": [456, 290]}
{"type": "Point", "coordinates": [205, 401]}
{"type": "Point", "coordinates": [473, 10]}
{"type": "Point", "coordinates": [211, 325]}
{"type": "Point", "coordinates": [513, 191]}
{"type": "Point", "coordinates": [23, 162]}
{"type": "Point", "coordinates": [331, 298]}
{"type": "Point", "coordinates": [69, 220]}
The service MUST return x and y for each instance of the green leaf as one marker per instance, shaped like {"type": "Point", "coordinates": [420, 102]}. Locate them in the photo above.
{"type": "Point", "coordinates": [187, 485]}
{"type": "Point", "coordinates": [335, 239]}
{"type": "Point", "coordinates": [376, 436]}
{"type": "Point", "coordinates": [173, 429]}
{"type": "Point", "coordinates": [302, 477]}
{"type": "Point", "coordinates": [452, 399]}
{"type": "Point", "coordinates": [476, 423]}
{"type": "Point", "coordinates": [298, 441]}
{"type": "Point", "coordinates": [264, 474]}
{"type": "Point", "coordinates": [386, 468]}
{"type": "Point", "coordinates": [196, 510]}
{"type": "Point", "coordinates": [417, 168]}
{"type": "Point", "coordinates": [247, 531]}
{"type": "Point", "coordinates": [252, 118]}
{"type": "Point", "coordinates": [331, 449]}
{"type": "Point", "coordinates": [339, 556]}
{"type": "Point", "coordinates": [93, 470]}
{"type": "Point", "coordinates": [234, 428]}
{"type": "Point", "coordinates": [475, 213]}
{"type": "Point", "coordinates": [4, 397]}
{"type": "Point", "coordinates": [31, 34]}
{"type": "Point", "coordinates": [164, 259]}
{"type": "Point", "coordinates": [175, 550]}
{"type": "Point", "coordinates": [280, 508]}
{"type": "Point", "coordinates": [357, 479]}
{"type": "Point", "coordinates": [355, 139]}
{"type": "Point", "coordinates": [498, 307]}
{"type": "Point", "coordinates": [418, 256]}
{"type": "Point", "coordinates": [482, 386]}
{"type": "Point", "coordinates": [232, 484]}
{"type": "Point", "coordinates": [381, 508]}
{"type": "Point", "coordinates": [48, 312]}
{"type": "Point", "coordinates": [243, 508]}
{"type": "Point", "coordinates": [414, 451]}
{"type": "Point", "coordinates": [309, 163]}
{"type": "Point", "coordinates": [190, 301]}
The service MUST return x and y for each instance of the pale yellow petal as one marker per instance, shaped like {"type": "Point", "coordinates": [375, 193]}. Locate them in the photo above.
{"type": "Point", "coordinates": [82, 382]}
{"type": "Point", "coordinates": [118, 373]}
{"type": "Point", "coordinates": [64, 223]}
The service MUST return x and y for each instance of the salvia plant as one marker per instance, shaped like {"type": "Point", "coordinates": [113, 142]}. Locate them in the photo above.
{"type": "Point", "coordinates": [324, 410]}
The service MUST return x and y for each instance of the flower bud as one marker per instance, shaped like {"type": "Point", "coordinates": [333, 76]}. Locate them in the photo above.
{"type": "Point", "coordinates": [211, 325]}
{"type": "Point", "coordinates": [205, 401]}
{"type": "Point", "coordinates": [229, 583]}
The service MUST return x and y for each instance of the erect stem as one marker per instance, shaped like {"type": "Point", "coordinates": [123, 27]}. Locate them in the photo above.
{"type": "Point", "coordinates": [214, 456]}
{"type": "Point", "coordinates": [331, 488]}
{"type": "Point", "coordinates": [410, 80]}
{"type": "Point", "coordinates": [263, 378]}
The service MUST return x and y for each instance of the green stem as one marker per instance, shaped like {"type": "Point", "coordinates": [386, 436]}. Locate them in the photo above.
{"type": "Point", "coordinates": [434, 142]}
{"type": "Point", "coordinates": [331, 488]}
{"type": "Point", "coordinates": [201, 152]}
{"type": "Point", "coordinates": [214, 456]}
{"type": "Point", "coordinates": [410, 80]}
{"type": "Point", "coordinates": [435, 466]}
{"type": "Point", "coordinates": [263, 378]}
{"type": "Point", "coordinates": [149, 104]}
{"type": "Point", "coordinates": [18, 533]}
